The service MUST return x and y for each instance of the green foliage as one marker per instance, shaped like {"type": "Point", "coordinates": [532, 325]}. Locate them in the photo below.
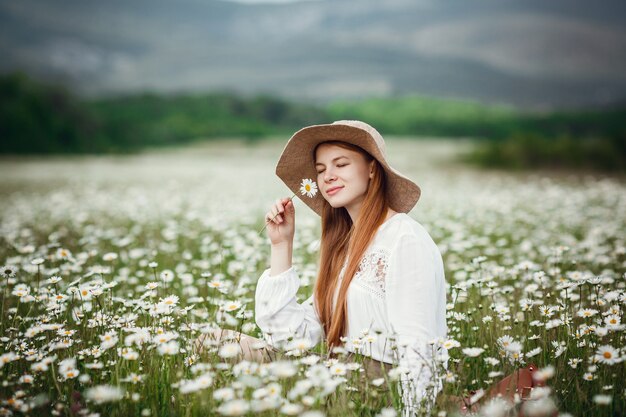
{"type": "Point", "coordinates": [416, 115]}
{"type": "Point", "coordinates": [38, 119]}
{"type": "Point", "coordinates": [42, 119]}
{"type": "Point", "coordinates": [159, 120]}
{"type": "Point", "coordinates": [589, 140]}
{"type": "Point", "coordinates": [521, 151]}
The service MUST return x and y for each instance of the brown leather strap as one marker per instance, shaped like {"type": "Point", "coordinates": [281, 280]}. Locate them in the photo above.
{"type": "Point", "coordinates": [519, 382]}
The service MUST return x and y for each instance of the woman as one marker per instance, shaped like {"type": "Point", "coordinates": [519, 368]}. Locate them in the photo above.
{"type": "Point", "coordinates": [380, 289]}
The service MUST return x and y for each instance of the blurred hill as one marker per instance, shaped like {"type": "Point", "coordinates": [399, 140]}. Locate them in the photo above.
{"type": "Point", "coordinates": [532, 54]}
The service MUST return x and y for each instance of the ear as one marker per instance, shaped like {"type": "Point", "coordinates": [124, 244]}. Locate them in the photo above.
{"type": "Point", "coordinates": [372, 169]}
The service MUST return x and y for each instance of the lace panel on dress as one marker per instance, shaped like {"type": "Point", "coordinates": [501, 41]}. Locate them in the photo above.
{"type": "Point", "coordinates": [372, 271]}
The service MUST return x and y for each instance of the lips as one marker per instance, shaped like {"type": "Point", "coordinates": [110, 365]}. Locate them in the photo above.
{"type": "Point", "coordinates": [333, 190]}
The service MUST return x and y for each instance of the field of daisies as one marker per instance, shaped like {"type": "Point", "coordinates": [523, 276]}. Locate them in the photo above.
{"type": "Point", "coordinates": [111, 268]}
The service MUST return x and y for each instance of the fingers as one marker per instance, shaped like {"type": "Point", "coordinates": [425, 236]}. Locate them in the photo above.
{"type": "Point", "coordinates": [276, 213]}
{"type": "Point", "coordinates": [277, 210]}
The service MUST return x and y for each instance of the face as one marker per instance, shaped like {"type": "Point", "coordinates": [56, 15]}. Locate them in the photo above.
{"type": "Point", "coordinates": [343, 176]}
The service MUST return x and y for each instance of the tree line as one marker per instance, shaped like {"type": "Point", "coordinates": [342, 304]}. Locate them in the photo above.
{"type": "Point", "coordinates": [40, 118]}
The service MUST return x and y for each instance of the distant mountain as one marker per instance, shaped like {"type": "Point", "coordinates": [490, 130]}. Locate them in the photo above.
{"type": "Point", "coordinates": [538, 53]}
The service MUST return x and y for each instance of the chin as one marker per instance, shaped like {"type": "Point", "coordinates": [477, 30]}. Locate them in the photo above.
{"type": "Point", "coordinates": [335, 203]}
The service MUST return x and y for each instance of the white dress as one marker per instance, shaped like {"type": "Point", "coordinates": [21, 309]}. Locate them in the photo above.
{"type": "Point", "coordinates": [397, 297]}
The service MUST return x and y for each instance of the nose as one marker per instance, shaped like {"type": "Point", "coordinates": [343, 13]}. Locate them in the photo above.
{"type": "Point", "coordinates": [329, 175]}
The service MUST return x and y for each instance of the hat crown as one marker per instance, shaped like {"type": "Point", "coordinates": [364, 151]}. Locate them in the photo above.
{"type": "Point", "coordinates": [378, 138]}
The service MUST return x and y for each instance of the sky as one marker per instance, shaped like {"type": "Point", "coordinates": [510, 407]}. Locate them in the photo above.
{"type": "Point", "coordinates": [535, 54]}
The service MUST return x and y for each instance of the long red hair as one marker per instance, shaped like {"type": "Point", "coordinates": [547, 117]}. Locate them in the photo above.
{"type": "Point", "coordinates": [342, 239]}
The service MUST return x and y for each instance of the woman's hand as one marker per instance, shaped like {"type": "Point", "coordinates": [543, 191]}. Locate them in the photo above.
{"type": "Point", "coordinates": [281, 229]}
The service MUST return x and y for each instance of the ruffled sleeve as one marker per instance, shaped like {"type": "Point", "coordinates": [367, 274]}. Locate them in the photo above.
{"type": "Point", "coordinates": [278, 313]}
{"type": "Point", "coordinates": [413, 293]}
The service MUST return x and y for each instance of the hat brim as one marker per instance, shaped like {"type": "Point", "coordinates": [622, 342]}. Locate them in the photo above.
{"type": "Point", "coordinates": [297, 163]}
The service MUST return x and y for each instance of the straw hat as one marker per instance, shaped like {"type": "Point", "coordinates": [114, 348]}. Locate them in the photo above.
{"type": "Point", "coordinates": [297, 161]}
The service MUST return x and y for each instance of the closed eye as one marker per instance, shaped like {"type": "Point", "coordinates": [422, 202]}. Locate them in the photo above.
{"type": "Point", "coordinates": [338, 166]}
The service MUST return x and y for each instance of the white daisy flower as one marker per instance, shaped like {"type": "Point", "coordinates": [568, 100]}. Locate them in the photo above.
{"type": "Point", "coordinates": [7, 357]}
{"type": "Point", "coordinates": [70, 374]}
{"type": "Point", "coordinates": [26, 379]}
{"type": "Point", "coordinates": [167, 275]}
{"type": "Point", "coordinates": [602, 399]}
{"type": "Point", "coordinates": [504, 341]}
{"type": "Point", "coordinates": [104, 393]}
{"type": "Point", "coordinates": [234, 408]}
{"type": "Point", "coordinates": [291, 409]}
{"type": "Point", "coordinates": [451, 343]}
{"type": "Point", "coordinates": [544, 374]}
{"type": "Point", "coordinates": [169, 348]}
{"type": "Point", "coordinates": [229, 350]}
{"type": "Point", "coordinates": [473, 352]}
{"type": "Point", "coordinates": [513, 347]}
{"type": "Point", "coordinates": [129, 354]}
{"type": "Point", "coordinates": [574, 362]}
{"type": "Point", "coordinates": [110, 256]}
{"type": "Point", "coordinates": [533, 352]}
{"type": "Point", "coordinates": [612, 320]}
{"type": "Point", "coordinates": [308, 401]}
{"type": "Point", "coordinates": [224, 394]}
{"type": "Point", "coordinates": [607, 354]}
{"type": "Point", "coordinates": [587, 312]}
{"type": "Point", "coordinates": [378, 382]}
{"type": "Point", "coordinates": [308, 187]}
{"type": "Point", "coordinates": [171, 300]}
{"type": "Point", "coordinates": [231, 305]}
{"type": "Point", "coordinates": [8, 271]}
{"type": "Point", "coordinates": [299, 344]}
{"type": "Point", "coordinates": [338, 369]}
{"type": "Point", "coordinates": [588, 376]}
{"type": "Point", "coordinates": [283, 369]}
{"type": "Point", "coordinates": [63, 253]}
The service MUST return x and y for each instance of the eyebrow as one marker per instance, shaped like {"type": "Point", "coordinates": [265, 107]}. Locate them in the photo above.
{"type": "Point", "coordinates": [334, 159]}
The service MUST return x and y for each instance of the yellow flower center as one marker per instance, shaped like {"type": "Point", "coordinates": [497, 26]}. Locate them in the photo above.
{"type": "Point", "coordinates": [607, 355]}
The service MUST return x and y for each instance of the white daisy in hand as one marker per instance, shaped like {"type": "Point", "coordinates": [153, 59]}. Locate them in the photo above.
{"type": "Point", "coordinates": [308, 187]}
